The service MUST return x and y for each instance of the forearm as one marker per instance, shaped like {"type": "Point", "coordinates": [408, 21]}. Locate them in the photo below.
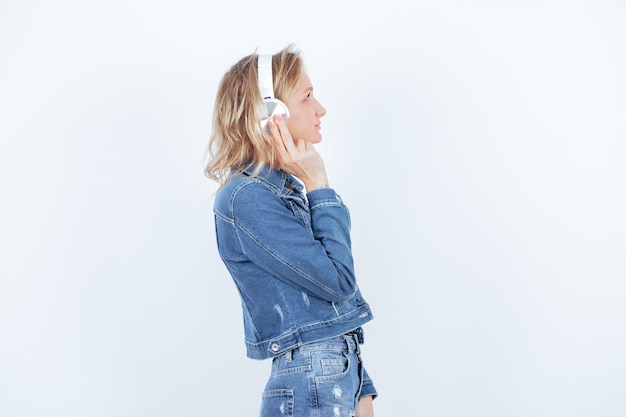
{"type": "Point", "coordinates": [365, 407]}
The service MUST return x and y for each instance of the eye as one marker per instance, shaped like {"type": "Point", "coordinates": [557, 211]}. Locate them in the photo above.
{"type": "Point", "coordinates": [308, 96]}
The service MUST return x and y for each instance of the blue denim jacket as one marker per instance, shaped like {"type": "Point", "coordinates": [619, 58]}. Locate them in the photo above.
{"type": "Point", "coordinates": [290, 257]}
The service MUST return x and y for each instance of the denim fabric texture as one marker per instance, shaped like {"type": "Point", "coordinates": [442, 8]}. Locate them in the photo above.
{"type": "Point", "coordinates": [324, 378]}
{"type": "Point", "coordinates": [290, 257]}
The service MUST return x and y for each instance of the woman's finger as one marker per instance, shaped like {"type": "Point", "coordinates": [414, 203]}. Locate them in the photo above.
{"type": "Point", "coordinates": [278, 141]}
{"type": "Point", "coordinates": [284, 132]}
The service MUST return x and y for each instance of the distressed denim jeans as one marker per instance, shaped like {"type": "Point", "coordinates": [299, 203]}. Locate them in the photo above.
{"type": "Point", "coordinates": [321, 379]}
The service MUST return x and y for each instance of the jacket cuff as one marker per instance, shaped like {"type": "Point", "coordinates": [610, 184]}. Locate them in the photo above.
{"type": "Point", "coordinates": [368, 388]}
{"type": "Point", "coordinates": [323, 196]}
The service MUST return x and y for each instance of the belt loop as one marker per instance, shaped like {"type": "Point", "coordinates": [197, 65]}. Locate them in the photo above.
{"type": "Point", "coordinates": [357, 343]}
{"type": "Point", "coordinates": [289, 355]}
{"type": "Point", "coordinates": [352, 338]}
{"type": "Point", "coordinates": [359, 335]}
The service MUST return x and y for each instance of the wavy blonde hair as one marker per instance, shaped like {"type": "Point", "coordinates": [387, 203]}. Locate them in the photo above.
{"type": "Point", "coordinates": [237, 139]}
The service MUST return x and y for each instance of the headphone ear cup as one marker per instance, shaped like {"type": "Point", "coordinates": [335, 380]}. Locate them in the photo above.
{"type": "Point", "coordinates": [273, 107]}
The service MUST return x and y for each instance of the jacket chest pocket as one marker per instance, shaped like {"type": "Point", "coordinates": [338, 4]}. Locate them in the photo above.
{"type": "Point", "coordinates": [301, 211]}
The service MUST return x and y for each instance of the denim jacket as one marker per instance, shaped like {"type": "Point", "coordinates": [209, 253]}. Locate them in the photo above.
{"type": "Point", "coordinates": [290, 257]}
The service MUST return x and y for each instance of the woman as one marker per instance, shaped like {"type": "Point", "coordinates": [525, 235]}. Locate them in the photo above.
{"type": "Point", "coordinates": [284, 236]}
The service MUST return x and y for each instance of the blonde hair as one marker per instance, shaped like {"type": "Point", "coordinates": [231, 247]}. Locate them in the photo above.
{"type": "Point", "coordinates": [237, 139]}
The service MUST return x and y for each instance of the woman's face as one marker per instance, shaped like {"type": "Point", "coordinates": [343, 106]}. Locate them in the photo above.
{"type": "Point", "coordinates": [305, 112]}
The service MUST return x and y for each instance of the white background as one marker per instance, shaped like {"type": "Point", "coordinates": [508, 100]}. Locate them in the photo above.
{"type": "Point", "coordinates": [478, 144]}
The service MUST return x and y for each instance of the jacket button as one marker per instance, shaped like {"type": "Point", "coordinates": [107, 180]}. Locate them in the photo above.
{"type": "Point", "coordinates": [274, 347]}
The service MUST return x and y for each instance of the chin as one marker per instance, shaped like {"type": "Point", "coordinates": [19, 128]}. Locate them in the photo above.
{"type": "Point", "coordinates": [317, 138]}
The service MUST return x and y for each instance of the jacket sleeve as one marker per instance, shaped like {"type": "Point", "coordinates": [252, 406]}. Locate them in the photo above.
{"type": "Point", "coordinates": [368, 386]}
{"type": "Point", "coordinates": [319, 263]}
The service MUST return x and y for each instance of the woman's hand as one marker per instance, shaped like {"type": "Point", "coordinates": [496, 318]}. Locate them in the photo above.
{"type": "Point", "coordinates": [365, 407]}
{"type": "Point", "coordinates": [298, 157]}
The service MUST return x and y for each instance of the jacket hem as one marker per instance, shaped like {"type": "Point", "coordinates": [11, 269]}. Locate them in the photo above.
{"type": "Point", "coordinates": [308, 334]}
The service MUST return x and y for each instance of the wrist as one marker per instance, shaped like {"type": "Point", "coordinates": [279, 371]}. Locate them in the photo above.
{"type": "Point", "coordinates": [311, 185]}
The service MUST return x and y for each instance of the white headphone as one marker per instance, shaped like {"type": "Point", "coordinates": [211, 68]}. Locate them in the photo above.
{"type": "Point", "coordinates": [273, 106]}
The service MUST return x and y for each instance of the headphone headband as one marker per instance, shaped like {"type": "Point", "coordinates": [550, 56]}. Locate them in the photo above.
{"type": "Point", "coordinates": [266, 84]}
{"type": "Point", "coordinates": [273, 106]}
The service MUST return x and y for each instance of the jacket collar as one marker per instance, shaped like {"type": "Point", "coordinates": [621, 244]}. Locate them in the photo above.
{"type": "Point", "coordinates": [276, 177]}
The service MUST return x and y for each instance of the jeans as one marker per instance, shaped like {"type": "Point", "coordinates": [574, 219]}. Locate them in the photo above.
{"type": "Point", "coordinates": [321, 379]}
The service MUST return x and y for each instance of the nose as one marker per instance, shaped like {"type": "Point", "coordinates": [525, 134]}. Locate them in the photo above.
{"type": "Point", "coordinates": [321, 111]}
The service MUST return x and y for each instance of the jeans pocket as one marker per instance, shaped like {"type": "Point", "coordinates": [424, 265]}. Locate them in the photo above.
{"type": "Point", "coordinates": [277, 402]}
{"type": "Point", "coordinates": [332, 365]}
